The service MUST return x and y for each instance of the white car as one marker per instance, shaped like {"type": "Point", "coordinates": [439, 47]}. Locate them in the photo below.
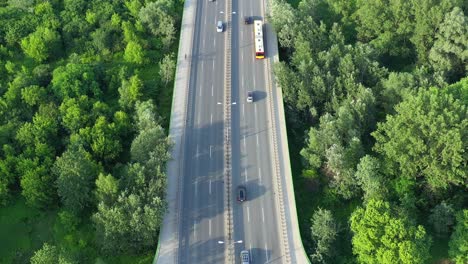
{"type": "Point", "coordinates": [219, 26]}
{"type": "Point", "coordinates": [250, 96]}
{"type": "Point", "coordinates": [245, 257]}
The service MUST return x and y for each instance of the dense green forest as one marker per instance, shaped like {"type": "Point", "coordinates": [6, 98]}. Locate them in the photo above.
{"type": "Point", "coordinates": [376, 99]}
{"type": "Point", "coordinates": [85, 88]}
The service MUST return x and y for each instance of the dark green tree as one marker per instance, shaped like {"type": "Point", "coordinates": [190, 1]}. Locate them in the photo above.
{"type": "Point", "coordinates": [449, 54]}
{"type": "Point", "coordinates": [442, 218]}
{"type": "Point", "coordinates": [458, 250]}
{"type": "Point", "coordinates": [159, 16]}
{"type": "Point", "coordinates": [76, 173]}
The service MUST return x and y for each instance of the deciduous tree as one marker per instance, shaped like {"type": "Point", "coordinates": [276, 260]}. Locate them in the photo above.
{"type": "Point", "coordinates": [324, 232]}
{"type": "Point", "coordinates": [458, 245]}
{"type": "Point", "coordinates": [76, 172]}
{"type": "Point", "coordinates": [382, 237]}
{"type": "Point", "coordinates": [41, 44]}
{"type": "Point", "coordinates": [426, 138]}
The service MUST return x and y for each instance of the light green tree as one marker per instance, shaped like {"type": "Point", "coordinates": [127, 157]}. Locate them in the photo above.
{"type": "Point", "coordinates": [130, 91]}
{"type": "Point", "coordinates": [41, 44]}
{"type": "Point", "coordinates": [379, 236]}
{"type": "Point", "coordinates": [426, 138]}
{"type": "Point", "coordinates": [107, 189]}
{"type": "Point", "coordinates": [134, 53]}
{"type": "Point", "coordinates": [167, 68]}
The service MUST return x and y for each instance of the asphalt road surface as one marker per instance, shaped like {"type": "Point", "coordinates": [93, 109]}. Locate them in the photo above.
{"type": "Point", "coordinates": [255, 220]}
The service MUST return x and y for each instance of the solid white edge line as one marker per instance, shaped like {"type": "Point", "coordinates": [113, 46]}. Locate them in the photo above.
{"type": "Point", "coordinates": [210, 187]}
{"type": "Point", "coordinates": [257, 140]}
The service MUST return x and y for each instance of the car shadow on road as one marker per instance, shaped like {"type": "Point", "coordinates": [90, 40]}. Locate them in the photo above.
{"type": "Point", "coordinates": [259, 95]}
{"type": "Point", "coordinates": [262, 255]}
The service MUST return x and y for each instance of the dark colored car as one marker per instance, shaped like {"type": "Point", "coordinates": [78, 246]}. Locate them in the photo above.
{"type": "Point", "coordinates": [247, 20]}
{"type": "Point", "coordinates": [241, 194]}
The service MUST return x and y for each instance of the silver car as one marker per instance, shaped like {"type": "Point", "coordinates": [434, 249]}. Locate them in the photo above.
{"type": "Point", "coordinates": [219, 26]}
{"type": "Point", "coordinates": [245, 257]}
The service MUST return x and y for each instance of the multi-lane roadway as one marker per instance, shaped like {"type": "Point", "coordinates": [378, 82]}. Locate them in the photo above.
{"type": "Point", "coordinates": [201, 223]}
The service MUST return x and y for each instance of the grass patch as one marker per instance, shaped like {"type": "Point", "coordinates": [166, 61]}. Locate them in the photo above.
{"type": "Point", "coordinates": [22, 231]}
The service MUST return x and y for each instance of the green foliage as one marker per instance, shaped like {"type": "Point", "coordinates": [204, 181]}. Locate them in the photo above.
{"type": "Point", "coordinates": [370, 177]}
{"type": "Point", "coordinates": [63, 66]}
{"type": "Point", "coordinates": [428, 15]}
{"type": "Point", "coordinates": [442, 218]}
{"type": "Point", "coordinates": [426, 139]}
{"type": "Point", "coordinates": [33, 95]}
{"type": "Point", "coordinates": [130, 92]}
{"type": "Point", "coordinates": [382, 237]}
{"type": "Point", "coordinates": [167, 68]}
{"type": "Point", "coordinates": [458, 250]}
{"type": "Point", "coordinates": [36, 183]}
{"type": "Point", "coordinates": [159, 16]}
{"type": "Point", "coordinates": [74, 112]}
{"type": "Point", "coordinates": [41, 44]}
{"type": "Point", "coordinates": [104, 140]}
{"type": "Point", "coordinates": [7, 170]}
{"type": "Point", "coordinates": [324, 232]}
{"type": "Point", "coordinates": [117, 234]}
{"type": "Point", "coordinates": [47, 254]}
{"type": "Point", "coordinates": [336, 86]}
{"type": "Point", "coordinates": [74, 80]}
{"type": "Point", "coordinates": [386, 25]}
{"type": "Point", "coordinates": [134, 53]}
{"type": "Point", "coordinates": [107, 188]}
{"type": "Point", "coordinates": [337, 142]}
{"type": "Point", "coordinates": [449, 55]}
{"type": "Point", "coordinates": [50, 254]}
{"type": "Point", "coordinates": [76, 172]}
